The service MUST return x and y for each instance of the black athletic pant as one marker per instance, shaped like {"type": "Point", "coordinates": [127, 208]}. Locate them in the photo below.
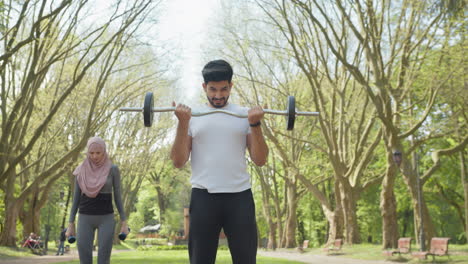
{"type": "Point", "coordinates": [235, 213]}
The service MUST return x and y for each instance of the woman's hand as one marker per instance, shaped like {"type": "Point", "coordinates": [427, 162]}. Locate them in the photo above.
{"type": "Point", "coordinates": [70, 230]}
{"type": "Point", "coordinates": [124, 228]}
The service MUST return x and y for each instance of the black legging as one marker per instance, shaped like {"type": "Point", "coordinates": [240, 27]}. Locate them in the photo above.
{"type": "Point", "coordinates": [235, 213]}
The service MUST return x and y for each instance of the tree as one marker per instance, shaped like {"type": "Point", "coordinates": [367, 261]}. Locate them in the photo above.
{"type": "Point", "coordinates": [395, 39]}
{"type": "Point", "coordinates": [48, 56]}
{"type": "Point", "coordinates": [346, 121]}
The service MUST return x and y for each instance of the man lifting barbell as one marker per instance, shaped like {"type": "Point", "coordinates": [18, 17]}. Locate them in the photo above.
{"type": "Point", "coordinates": [221, 195]}
{"type": "Point", "coordinates": [216, 140]}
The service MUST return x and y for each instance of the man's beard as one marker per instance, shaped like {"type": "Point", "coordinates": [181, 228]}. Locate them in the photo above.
{"type": "Point", "coordinates": [211, 100]}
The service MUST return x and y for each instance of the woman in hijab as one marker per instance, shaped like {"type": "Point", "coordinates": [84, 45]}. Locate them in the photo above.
{"type": "Point", "coordinates": [96, 179]}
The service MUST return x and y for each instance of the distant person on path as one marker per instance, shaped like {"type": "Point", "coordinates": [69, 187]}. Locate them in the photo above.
{"type": "Point", "coordinates": [62, 238]}
{"type": "Point", "coordinates": [221, 190]}
{"type": "Point", "coordinates": [97, 179]}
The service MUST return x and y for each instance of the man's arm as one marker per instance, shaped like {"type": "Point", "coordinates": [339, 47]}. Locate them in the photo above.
{"type": "Point", "coordinates": [257, 147]}
{"type": "Point", "coordinates": [182, 146]}
{"type": "Point", "coordinates": [256, 144]}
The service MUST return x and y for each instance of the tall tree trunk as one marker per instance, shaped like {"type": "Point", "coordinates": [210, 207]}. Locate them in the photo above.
{"type": "Point", "coordinates": [335, 218]}
{"type": "Point", "coordinates": [272, 226]}
{"type": "Point", "coordinates": [336, 222]}
{"type": "Point", "coordinates": [267, 212]}
{"type": "Point", "coordinates": [67, 203]}
{"type": "Point", "coordinates": [272, 242]}
{"type": "Point", "coordinates": [348, 203]}
{"type": "Point", "coordinates": [8, 235]}
{"type": "Point", "coordinates": [464, 180]}
{"type": "Point", "coordinates": [30, 216]}
{"type": "Point", "coordinates": [279, 224]}
{"type": "Point", "coordinates": [279, 216]}
{"type": "Point", "coordinates": [162, 204]}
{"type": "Point", "coordinates": [409, 175]}
{"type": "Point", "coordinates": [31, 221]}
{"type": "Point", "coordinates": [388, 207]}
{"type": "Point", "coordinates": [291, 214]}
{"type": "Point", "coordinates": [410, 178]}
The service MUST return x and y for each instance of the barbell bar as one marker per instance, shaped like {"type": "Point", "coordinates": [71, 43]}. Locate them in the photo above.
{"type": "Point", "coordinates": [149, 109]}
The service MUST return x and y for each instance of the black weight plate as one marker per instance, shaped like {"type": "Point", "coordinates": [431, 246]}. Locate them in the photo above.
{"type": "Point", "coordinates": [148, 109]}
{"type": "Point", "coordinates": [291, 111]}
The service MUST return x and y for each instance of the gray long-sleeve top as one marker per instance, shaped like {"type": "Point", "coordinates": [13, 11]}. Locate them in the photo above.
{"type": "Point", "coordinates": [102, 203]}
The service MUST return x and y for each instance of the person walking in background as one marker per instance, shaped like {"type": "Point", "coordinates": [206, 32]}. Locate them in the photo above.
{"type": "Point", "coordinates": [62, 238]}
{"type": "Point", "coordinates": [97, 179]}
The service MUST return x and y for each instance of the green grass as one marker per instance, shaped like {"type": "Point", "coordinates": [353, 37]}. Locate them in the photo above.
{"type": "Point", "coordinates": [177, 257]}
{"type": "Point", "coordinates": [458, 254]}
{"type": "Point", "coordinates": [8, 253]}
{"type": "Point", "coordinates": [124, 245]}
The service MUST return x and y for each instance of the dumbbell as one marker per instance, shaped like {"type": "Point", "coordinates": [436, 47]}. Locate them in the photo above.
{"type": "Point", "coordinates": [71, 239]}
{"type": "Point", "coordinates": [123, 236]}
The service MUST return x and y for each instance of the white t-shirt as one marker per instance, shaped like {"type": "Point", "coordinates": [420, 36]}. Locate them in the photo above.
{"type": "Point", "coordinates": [219, 142]}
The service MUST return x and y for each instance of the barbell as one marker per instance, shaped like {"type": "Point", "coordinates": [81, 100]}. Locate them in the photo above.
{"type": "Point", "coordinates": [148, 110]}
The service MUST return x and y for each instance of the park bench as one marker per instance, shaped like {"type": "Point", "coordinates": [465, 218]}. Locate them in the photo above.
{"type": "Point", "coordinates": [439, 247]}
{"type": "Point", "coordinates": [335, 247]}
{"type": "Point", "coordinates": [404, 247]}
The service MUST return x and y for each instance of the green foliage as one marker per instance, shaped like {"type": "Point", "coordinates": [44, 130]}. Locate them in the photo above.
{"type": "Point", "coordinates": [314, 221]}
{"type": "Point", "coordinates": [136, 221]}
{"type": "Point", "coordinates": [445, 200]}
{"type": "Point", "coordinates": [300, 235]}
{"type": "Point", "coordinates": [173, 223]}
{"type": "Point", "coordinates": [146, 207]}
{"type": "Point", "coordinates": [262, 225]}
{"type": "Point", "coordinates": [405, 211]}
{"type": "Point", "coordinates": [369, 215]}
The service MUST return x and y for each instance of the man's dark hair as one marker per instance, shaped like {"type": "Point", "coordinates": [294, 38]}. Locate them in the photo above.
{"type": "Point", "coordinates": [217, 70]}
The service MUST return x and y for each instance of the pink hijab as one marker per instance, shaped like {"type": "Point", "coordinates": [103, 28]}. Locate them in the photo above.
{"type": "Point", "coordinates": [90, 175]}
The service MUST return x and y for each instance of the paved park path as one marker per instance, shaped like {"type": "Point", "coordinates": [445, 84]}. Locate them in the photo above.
{"type": "Point", "coordinates": [42, 259]}
{"type": "Point", "coordinates": [303, 257]}
{"type": "Point", "coordinates": [50, 258]}
{"type": "Point", "coordinates": [310, 258]}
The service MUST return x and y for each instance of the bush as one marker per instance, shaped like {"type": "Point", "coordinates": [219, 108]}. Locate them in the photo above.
{"type": "Point", "coordinates": [147, 241]}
